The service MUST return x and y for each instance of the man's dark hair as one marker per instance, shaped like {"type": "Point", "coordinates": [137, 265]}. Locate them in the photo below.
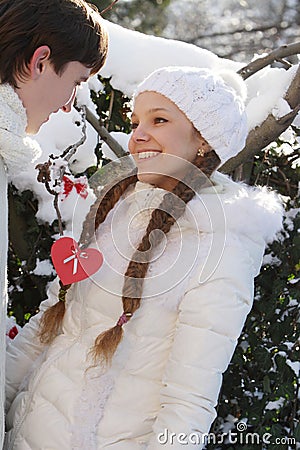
{"type": "Point", "coordinates": [72, 29]}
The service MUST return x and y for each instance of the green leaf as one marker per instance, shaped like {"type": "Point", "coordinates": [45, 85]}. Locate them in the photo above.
{"type": "Point", "coordinates": [266, 384]}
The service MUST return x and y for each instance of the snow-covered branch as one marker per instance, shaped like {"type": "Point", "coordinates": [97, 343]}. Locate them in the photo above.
{"type": "Point", "coordinates": [275, 55]}
{"type": "Point", "coordinates": [269, 130]}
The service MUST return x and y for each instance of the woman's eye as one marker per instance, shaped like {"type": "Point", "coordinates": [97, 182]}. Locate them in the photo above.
{"type": "Point", "coordinates": [160, 120]}
{"type": "Point", "coordinates": [134, 126]}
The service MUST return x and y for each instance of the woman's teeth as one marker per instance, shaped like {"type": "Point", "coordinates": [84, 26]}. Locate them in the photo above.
{"type": "Point", "coordinates": [145, 155]}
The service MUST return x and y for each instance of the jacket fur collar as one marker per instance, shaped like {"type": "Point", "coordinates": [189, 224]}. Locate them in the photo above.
{"type": "Point", "coordinates": [226, 204]}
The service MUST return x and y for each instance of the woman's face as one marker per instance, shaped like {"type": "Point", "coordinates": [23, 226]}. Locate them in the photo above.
{"type": "Point", "coordinates": [163, 140]}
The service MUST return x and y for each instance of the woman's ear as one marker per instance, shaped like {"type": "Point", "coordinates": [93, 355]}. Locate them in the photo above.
{"type": "Point", "coordinates": [202, 143]}
{"type": "Point", "coordinates": [38, 61]}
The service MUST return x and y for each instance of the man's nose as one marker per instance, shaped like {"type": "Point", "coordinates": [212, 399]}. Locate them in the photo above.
{"type": "Point", "coordinates": [68, 106]}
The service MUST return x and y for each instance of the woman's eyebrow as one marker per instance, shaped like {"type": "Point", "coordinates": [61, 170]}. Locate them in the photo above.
{"type": "Point", "coordinates": [152, 110]}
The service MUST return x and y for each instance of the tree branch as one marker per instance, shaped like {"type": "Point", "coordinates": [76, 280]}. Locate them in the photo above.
{"type": "Point", "coordinates": [109, 7]}
{"type": "Point", "coordinates": [105, 135]}
{"type": "Point", "coordinates": [237, 30]}
{"type": "Point", "coordinates": [269, 130]}
{"type": "Point", "coordinates": [292, 95]}
{"type": "Point", "coordinates": [275, 55]}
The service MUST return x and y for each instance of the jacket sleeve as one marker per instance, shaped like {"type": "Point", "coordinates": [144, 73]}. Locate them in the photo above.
{"type": "Point", "coordinates": [211, 318]}
{"type": "Point", "coordinates": [25, 348]}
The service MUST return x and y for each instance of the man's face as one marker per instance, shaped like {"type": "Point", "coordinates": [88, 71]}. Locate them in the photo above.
{"type": "Point", "coordinates": [48, 92]}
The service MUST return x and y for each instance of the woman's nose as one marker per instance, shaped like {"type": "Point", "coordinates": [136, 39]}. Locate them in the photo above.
{"type": "Point", "coordinates": [140, 134]}
{"type": "Point", "coordinates": [68, 106]}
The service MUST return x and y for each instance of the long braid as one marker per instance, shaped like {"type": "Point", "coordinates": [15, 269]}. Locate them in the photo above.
{"type": "Point", "coordinates": [102, 206]}
{"type": "Point", "coordinates": [51, 320]}
{"type": "Point", "coordinates": [170, 209]}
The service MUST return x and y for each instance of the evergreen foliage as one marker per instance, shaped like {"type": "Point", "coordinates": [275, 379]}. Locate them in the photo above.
{"type": "Point", "coordinates": [261, 385]}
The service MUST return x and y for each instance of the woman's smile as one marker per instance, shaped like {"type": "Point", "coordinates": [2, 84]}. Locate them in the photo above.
{"type": "Point", "coordinates": [147, 154]}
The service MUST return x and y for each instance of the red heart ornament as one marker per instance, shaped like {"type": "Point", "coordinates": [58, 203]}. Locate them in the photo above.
{"type": "Point", "coordinates": [73, 264]}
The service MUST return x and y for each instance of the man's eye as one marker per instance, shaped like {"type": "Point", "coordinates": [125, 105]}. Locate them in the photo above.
{"type": "Point", "coordinates": [134, 126]}
{"type": "Point", "coordinates": [160, 120]}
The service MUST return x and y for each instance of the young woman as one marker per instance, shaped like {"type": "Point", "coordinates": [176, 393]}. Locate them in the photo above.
{"type": "Point", "coordinates": [46, 49]}
{"type": "Point", "coordinates": [132, 358]}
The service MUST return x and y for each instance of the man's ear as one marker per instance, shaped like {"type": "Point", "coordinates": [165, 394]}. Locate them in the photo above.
{"type": "Point", "coordinates": [38, 61]}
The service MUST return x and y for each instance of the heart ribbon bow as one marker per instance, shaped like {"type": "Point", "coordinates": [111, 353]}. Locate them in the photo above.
{"type": "Point", "coordinates": [73, 264]}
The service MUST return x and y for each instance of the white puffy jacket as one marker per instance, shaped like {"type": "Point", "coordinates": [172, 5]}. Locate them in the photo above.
{"type": "Point", "coordinates": [167, 372]}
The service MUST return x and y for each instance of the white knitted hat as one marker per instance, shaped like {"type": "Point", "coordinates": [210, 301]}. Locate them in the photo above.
{"type": "Point", "coordinates": [212, 101]}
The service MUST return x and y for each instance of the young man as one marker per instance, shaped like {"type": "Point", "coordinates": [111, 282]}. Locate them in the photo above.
{"type": "Point", "coordinates": [47, 48]}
